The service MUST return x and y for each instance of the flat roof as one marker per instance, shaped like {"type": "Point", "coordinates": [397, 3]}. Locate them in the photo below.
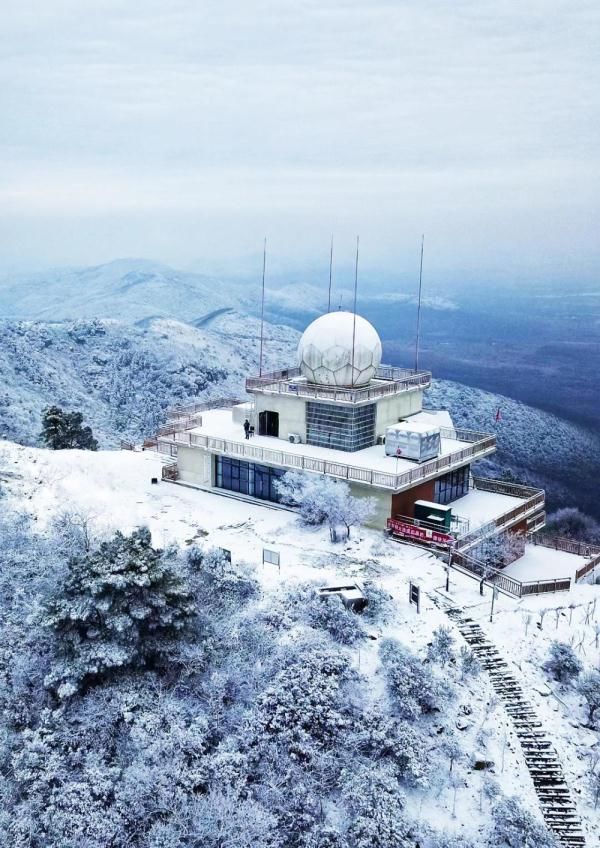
{"type": "Point", "coordinates": [541, 563]}
{"type": "Point", "coordinates": [480, 507]}
{"type": "Point", "coordinates": [219, 424]}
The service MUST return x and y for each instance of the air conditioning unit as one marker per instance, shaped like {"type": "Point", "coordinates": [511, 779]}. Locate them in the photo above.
{"type": "Point", "coordinates": [294, 438]}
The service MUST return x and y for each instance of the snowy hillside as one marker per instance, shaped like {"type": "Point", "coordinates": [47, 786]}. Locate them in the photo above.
{"type": "Point", "coordinates": [127, 289]}
{"type": "Point", "coordinates": [280, 723]}
{"type": "Point", "coordinates": [535, 446]}
{"type": "Point", "coordinates": [124, 377]}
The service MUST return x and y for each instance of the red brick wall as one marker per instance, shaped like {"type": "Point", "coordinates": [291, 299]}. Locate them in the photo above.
{"type": "Point", "coordinates": [404, 502]}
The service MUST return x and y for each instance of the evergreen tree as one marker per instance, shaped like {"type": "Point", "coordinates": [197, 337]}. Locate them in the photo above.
{"type": "Point", "coordinates": [64, 430]}
{"type": "Point", "coordinates": [120, 607]}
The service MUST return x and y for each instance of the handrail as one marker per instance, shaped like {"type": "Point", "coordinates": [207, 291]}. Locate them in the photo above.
{"type": "Point", "coordinates": [533, 500]}
{"type": "Point", "coordinates": [505, 583]}
{"type": "Point", "coordinates": [392, 381]}
{"type": "Point", "coordinates": [353, 474]}
{"type": "Point", "coordinates": [570, 546]}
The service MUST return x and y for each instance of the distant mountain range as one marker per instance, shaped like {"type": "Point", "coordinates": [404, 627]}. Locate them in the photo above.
{"type": "Point", "coordinates": [123, 341]}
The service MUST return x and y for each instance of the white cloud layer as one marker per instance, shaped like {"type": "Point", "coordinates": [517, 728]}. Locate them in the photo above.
{"type": "Point", "coordinates": [186, 130]}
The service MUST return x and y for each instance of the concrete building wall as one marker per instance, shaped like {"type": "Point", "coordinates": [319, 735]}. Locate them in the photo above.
{"type": "Point", "coordinates": [291, 409]}
{"type": "Point", "coordinates": [383, 504]}
{"type": "Point", "coordinates": [195, 466]}
{"type": "Point", "coordinates": [391, 409]}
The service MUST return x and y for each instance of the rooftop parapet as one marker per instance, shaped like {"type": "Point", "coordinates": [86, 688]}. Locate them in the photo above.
{"type": "Point", "coordinates": [387, 381]}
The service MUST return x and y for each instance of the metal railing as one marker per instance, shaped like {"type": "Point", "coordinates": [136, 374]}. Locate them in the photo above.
{"type": "Point", "coordinates": [387, 381]}
{"type": "Point", "coordinates": [353, 474]}
{"type": "Point", "coordinates": [533, 501]}
{"type": "Point", "coordinates": [569, 546]}
{"type": "Point", "coordinates": [503, 582]}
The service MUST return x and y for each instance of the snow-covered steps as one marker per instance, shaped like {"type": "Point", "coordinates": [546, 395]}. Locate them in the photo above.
{"type": "Point", "coordinates": [558, 809]}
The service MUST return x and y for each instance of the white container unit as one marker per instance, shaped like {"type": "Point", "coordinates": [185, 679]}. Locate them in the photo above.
{"type": "Point", "coordinates": [413, 440]}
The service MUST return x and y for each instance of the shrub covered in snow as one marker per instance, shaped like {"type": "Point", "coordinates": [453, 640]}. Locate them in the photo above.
{"type": "Point", "coordinates": [119, 607]}
{"type": "Point", "coordinates": [516, 827]}
{"type": "Point", "coordinates": [589, 686]}
{"type": "Point", "coordinates": [440, 649]}
{"type": "Point", "coordinates": [324, 500]}
{"type": "Point", "coordinates": [414, 688]}
{"type": "Point", "coordinates": [563, 664]}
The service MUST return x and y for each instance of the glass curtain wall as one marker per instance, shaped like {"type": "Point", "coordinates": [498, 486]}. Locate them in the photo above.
{"type": "Point", "coordinates": [452, 486]}
{"type": "Point", "coordinates": [346, 428]}
{"type": "Point", "coordinates": [247, 478]}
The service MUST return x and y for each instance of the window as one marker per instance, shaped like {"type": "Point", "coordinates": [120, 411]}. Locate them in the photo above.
{"type": "Point", "coordinates": [248, 478]}
{"type": "Point", "coordinates": [347, 428]}
{"type": "Point", "coordinates": [452, 486]}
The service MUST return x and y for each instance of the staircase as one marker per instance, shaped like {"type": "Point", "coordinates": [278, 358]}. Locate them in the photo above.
{"type": "Point", "coordinates": [559, 811]}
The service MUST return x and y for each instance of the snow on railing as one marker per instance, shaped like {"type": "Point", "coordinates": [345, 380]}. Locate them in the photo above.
{"type": "Point", "coordinates": [510, 585]}
{"type": "Point", "coordinates": [393, 381]}
{"type": "Point", "coordinates": [353, 474]}
{"type": "Point", "coordinates": [533, 501]}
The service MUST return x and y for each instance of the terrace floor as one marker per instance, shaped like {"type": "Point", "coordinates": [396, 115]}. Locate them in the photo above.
{"type": "Point", "coordinates": [480, 507]}
{"type": "Point", "coordinates": [219, 424]}
{"type": "Point", "coordinates": [540, 563]}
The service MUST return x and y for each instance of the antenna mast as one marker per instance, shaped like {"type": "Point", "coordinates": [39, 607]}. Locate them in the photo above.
{"type": "Point", "coordinates": [330, 275]}
{"type": "Point", "coordinates": [354, 318]}
{"type": "Point", "coordinates": [262, 309]}
{"type": "Point", "coordinates": [419, 306]}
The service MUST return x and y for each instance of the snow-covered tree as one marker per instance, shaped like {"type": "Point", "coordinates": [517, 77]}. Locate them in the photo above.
{"type": "Point", "coordinates": [63, 430]}
{"type": "Point", "coordinates": [377, 807]}
{"type": "Point", "coordinates": [122, 606]}
{"type": "Point", "coordinates": [414, 688]}
{"type": "Point", "coordinates": [323, 499]}
{"type": "Point", "coordinates": [389, 739]}
{"type": "Point", "coordinates": [563, 664]}
{"type": "Point", "coordinates": [496, 552]}
{"type": "Point", "coordinates": [572, 523]}
{"type": "Point", "coordinates": [589, 686]}
{"type": "Point", "coordinates": [440, 649]}
{"type": "Point", "coordinates": [515, 827]}
{"type": "Point", "coordinates": [469, 664]}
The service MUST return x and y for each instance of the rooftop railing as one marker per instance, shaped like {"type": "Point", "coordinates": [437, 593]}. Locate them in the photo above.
{"type": "Point", "coordinates": [387, 381]}
{"type": "Point", "coordinates": [477, 445]}
{"type": "Point", "coordinates": [533, 501]}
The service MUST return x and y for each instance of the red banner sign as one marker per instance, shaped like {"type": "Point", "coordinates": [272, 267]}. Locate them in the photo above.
{"type": "Point", "coordinates": [423, 534]}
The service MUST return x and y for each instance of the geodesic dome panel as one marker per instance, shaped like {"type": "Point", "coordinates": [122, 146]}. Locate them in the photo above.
{"type": "Point", "coordinates": [325, 351]}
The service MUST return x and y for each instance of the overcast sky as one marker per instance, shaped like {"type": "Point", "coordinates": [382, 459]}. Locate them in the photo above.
{"type": "Point", "coordinates": [187, 130]}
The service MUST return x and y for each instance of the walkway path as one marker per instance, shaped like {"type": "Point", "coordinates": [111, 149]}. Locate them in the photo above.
{"type": "Point", "coordinates": [559, 811]}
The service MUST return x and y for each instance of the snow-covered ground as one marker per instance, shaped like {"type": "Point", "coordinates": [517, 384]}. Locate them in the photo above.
{"type": "Point", "coordinates": [539, 563]}
{"type": "Point", "coordinates": [480, 507]}
{"type": "Point", "coordinates": [114, 490]}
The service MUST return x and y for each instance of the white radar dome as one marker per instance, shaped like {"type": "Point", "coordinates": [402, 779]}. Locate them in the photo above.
{"type": "Point", "coordinates": [325, 351]}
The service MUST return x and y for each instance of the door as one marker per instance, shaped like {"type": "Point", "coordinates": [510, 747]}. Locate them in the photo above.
{"type": "Point", "coordinates": [268, 423]}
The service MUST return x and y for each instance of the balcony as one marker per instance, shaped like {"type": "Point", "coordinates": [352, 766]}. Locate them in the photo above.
{"type": "Point", "coordinates": [387, 381]}
{"type": "Point", "coordinates": [218, 433]}
{"type": "Point", "coordinates": [493, 506]}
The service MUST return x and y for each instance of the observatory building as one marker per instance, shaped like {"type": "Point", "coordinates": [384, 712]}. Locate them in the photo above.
{"type": "Point", "coordinates": [338, 411]}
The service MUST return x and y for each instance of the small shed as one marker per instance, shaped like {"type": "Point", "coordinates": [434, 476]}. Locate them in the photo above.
{"type": "Point", "coordinates": [351, 595]}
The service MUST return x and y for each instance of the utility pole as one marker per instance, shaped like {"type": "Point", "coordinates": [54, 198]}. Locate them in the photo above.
{"type": "Point", "coordinates": [262, 309]}
{"type": "Point", "coordinates": [494, 596]}
{"type": "Point", "coordinates": [419, 306]}
{"type": "Point", "coordinates": [330, 274]}
{"type": "Point", "coordinates": [354, 318]}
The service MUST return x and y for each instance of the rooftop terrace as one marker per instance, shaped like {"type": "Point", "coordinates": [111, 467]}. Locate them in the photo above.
{"type": "Point", "coordinates": [387, 381]}
{"type": "Point", "coordinates": [216, 431]}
